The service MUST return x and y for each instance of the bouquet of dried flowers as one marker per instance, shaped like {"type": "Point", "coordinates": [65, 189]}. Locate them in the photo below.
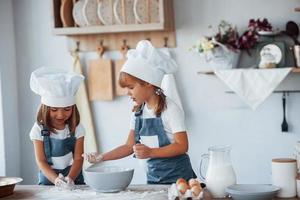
{"type": "Point", "coordinates": [227, 36]}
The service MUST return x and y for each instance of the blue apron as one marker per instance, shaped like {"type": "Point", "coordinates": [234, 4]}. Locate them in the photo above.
{"type": "Point", "coordinates": [55, 147]}
{"type": "Point", "coordinates": [161, 170]}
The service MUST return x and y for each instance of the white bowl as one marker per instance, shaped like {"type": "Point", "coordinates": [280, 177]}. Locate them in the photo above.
{"type": "Point", "coordinates": [252, 191]}
{"type": "Point", "coordinates": [108, 178]}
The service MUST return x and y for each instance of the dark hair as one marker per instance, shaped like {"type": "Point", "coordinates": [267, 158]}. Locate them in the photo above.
{"type": "Point", "coordinates": [161, 105]}
{"type": "Point", "coordinates": [43, 118]}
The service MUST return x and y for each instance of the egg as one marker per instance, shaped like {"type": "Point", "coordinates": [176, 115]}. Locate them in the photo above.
{"type": "Point", "coordinates": [180, 180]}
{"type": "Point", "coordinates": [182, 187]}
{"type": "Point", "coordinates": [196, 190]}
{"type": "Point", "coordinates": [193, 182]}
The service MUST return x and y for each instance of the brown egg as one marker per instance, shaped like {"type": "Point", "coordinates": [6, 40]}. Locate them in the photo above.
{"type": "Point", "coordinates": [193, 182]}
{"type": "Point", "coordinates": [182, 187]}
{"type": "Point", "coordinates": [181, 180]}
{"type": "Point", "coordinates": [196, 190]}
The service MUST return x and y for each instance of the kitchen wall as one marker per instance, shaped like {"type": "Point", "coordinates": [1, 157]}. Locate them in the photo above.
{"type": "Point", "coordinates": [2, 148]}
{"type": "Point", "coordinates": [212, 116]}
{"type": "Point", "coordinates": [9, 125]}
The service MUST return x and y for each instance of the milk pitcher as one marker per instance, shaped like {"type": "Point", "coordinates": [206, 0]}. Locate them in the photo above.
{"type": "Point", "coordinates": [220, 173]}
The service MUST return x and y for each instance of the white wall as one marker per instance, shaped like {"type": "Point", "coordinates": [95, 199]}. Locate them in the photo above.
{"type": "Point", "coordinates": [212, 117]}
{"type": "Point", "coordinates": [9, 97]}
{"type": "Point", "coordinates": [2, 147]}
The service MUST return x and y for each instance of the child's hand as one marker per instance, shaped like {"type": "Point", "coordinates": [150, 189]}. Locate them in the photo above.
{"type": "Point", "coordinates": [70, 182]}
{"type": "Point", "coordinates": [60, 181]}
{"type": "Point", "coordinates": [142, 151]}
{"type": "Point", "coordinates": [93, 157]}
{"type": "Point", "coordinates": [64, 182]}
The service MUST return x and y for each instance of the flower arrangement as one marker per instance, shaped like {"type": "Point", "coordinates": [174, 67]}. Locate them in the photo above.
{"type": "Point", "coordinates": [227, 36]}
{"type": "Point", "coordinates": [250, 37]}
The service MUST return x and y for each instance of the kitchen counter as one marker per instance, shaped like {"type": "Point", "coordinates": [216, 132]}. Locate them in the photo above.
{"type": "Point", "coordinates": [37, 192]}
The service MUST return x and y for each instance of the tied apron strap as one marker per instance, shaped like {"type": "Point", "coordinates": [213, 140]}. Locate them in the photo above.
{"type": "Point", "coordinates": [74, 139]}
{"type": "Point", "coordinates": [137, 128]}
{"type": "Point", "coordinates": [137, 136]}
{"type": "Point", "coordinates": [47, 145]}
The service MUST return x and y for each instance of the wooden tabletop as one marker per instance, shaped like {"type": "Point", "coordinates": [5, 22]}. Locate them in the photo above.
{"type": "Point", "coordinates": [37, 192]}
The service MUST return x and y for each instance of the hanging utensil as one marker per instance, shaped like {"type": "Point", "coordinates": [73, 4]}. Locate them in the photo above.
{"type": "Point", "coordinates": [284, 125]}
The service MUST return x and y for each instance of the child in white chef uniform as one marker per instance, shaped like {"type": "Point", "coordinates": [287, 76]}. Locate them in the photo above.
{"type": "Point", "coordinates": [57, 135]}
{"type": "Point", "coordinates": [157, 130]}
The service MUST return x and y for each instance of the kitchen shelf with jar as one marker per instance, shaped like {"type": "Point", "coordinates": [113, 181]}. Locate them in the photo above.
{"type": "Point", "coordinates": [114, 22]}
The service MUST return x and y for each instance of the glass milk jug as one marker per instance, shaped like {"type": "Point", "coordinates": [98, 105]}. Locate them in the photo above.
{"type": "Point", "coordinates": [220, 173]}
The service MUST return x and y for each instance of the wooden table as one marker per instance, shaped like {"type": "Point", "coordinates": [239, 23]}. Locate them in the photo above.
{"type": "Point", "coordinates": [147, 192]}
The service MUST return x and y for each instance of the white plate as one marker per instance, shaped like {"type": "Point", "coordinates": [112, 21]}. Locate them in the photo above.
{"type": "Point", "coordinates": [90, 12]}
{"type": "Point", "coordinates": [268, 33]}
{"type": "Point", "coordinates": [141, 12]}
{"type": "Point", "coordinates": [78, 14]}
{"type": "Point", "coordinates": [252, 191]}
{"type": "Point", "coordinates": [105, 12]}
{"type": "Point", "coordinates": [272, 50]}
{"type": "Point", "coordinates": [130, 19]}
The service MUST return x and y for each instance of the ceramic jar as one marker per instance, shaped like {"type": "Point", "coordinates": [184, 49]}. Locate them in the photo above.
{"type": "Point", "coordinates": [284, 172]}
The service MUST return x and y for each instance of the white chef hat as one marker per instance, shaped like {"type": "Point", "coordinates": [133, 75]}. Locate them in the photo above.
{"type": "Point", "coordinates": [148, 64]}
{"type": "Point", "coordinates": [57, 87]}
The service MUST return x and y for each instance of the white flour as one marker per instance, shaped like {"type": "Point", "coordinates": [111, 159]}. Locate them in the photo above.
{"type": "Point", "coordinates": [84, 192]}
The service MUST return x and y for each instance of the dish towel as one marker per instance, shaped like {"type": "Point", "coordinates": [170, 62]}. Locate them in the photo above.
{"type": "Point", "coordinates": [253, 85]}
{"type": "Point", "coordinates": [82, 102]}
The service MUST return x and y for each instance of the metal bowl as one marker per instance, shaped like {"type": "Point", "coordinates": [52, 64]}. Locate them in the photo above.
{"type": "Point", "coordinates": [108, 178]}
{"type": "Point", "coordinates": [7, 185]}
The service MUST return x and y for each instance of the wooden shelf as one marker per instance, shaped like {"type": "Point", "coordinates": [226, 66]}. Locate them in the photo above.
{"type": "Point", "coordinates": [166, 22]}
{"type": "Point", "coordinates": [109, 29]}
{"type": "Point", "coordinates": [211, 72]}
{"type": "Point", "coordinates": [113, 37]}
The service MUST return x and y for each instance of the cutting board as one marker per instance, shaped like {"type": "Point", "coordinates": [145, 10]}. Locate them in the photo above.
{"type": "Point", "coordinates": [118, 66]}
{"type": "Point", "coordinates": [100, 79]}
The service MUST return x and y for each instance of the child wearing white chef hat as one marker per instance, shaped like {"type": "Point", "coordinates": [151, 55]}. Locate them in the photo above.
{"type": "Point", "coordinates": [57, 134]}
{"type": "Point", "coordinates": [157, 130]}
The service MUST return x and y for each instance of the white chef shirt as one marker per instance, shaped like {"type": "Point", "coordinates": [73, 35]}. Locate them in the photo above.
{"type": "Point", "coordinates": [172, 119]}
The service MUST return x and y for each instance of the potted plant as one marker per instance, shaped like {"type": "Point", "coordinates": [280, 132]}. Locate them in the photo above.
{"type": "Point", "coordinates": [221, 50]}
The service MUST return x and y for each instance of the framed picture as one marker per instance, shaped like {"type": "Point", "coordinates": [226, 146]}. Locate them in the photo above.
{"type": "Point", "coordinates": [271, 54]}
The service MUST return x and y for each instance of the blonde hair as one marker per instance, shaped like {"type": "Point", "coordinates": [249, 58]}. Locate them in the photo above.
{"type": "Point", "coordinates": [43, 118]}
{"type": "Point", "coordinates": [161, 105]}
